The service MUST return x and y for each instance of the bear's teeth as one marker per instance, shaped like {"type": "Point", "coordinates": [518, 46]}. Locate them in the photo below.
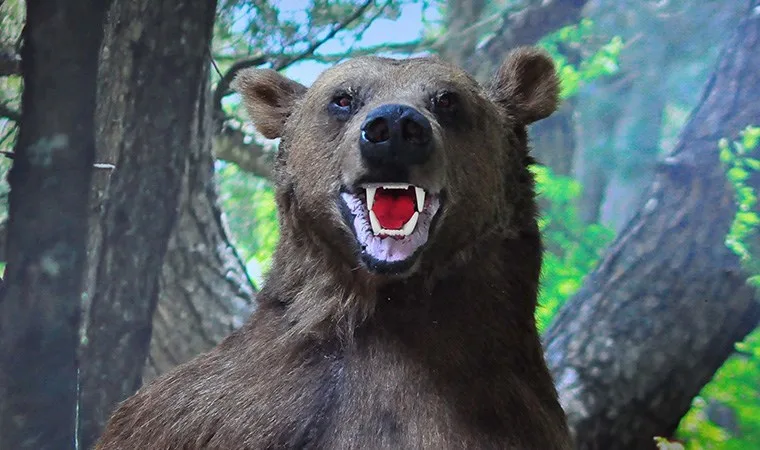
{"type": "Point", "coordinates": [420, 199]}
{"type": "Point", "coordinates": [406, 230]}
{"type": "Point", "coordinates": [376, 228]}
{"type": "Point", "coordinates": [370, 190]}
{"type": "Point", "coordinates": [408, 227]}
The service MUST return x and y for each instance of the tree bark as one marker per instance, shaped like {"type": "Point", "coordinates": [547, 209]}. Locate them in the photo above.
{"type": "Point", "coordinates": [50, 178]}
{"type": "Point", "coordinates": [157, 103]}
{"type": "Point", "coordinates": [524, 27]}
{"type": "Point", "coordinates": [462, 32]}
{"type": "Point", "coordinates": [553, 140]}
{"type": "Point", "coordinates": [204, 290]}
{"type": "Point", "coordinates": [597, 113]}
{"type": "Point", "coordinates": [230, 146]}
{"type": "Point", "coordinates": [664, 308]}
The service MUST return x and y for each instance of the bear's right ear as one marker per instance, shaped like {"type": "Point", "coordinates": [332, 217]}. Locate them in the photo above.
{"type": "Point", "coordinates": [269, 98]}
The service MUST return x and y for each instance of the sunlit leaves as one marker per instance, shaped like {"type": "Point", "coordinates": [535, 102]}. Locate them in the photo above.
{"type": "Point", "coordinates": [249, 206]}
{"type": "Point", "coordinates": [735, 388]}
{"type": "Point", "coordinates": [603, 62]}
{"type": "Point", "coordinates": [573, 248]}
{"type": "Point", "coordinates": [735, 385]}
{"type": "Point", "coordinates": [741, 160]}
{"type": "Point", "coordinates": [283, 29]}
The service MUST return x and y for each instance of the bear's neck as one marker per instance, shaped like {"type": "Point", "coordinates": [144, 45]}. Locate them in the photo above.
{"type": "Point", "coordinates": [492, 286]}
{"type": "Point", "coordinates": [461, 342]}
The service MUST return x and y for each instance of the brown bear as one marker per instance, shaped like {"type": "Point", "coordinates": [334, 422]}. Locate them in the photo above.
{"type": "Point", "coordinates": [399, 309]}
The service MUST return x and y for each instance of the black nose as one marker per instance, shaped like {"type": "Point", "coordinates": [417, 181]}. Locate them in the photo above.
{"type": "Point", "coordinates": [396, 135]}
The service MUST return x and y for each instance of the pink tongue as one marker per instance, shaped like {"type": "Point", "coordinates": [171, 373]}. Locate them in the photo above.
{"type": "Point", "coordinates": [393, 207]}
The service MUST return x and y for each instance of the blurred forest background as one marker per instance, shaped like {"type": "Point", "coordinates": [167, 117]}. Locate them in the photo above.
{"type": "Point", "coordinates": [648, 178]}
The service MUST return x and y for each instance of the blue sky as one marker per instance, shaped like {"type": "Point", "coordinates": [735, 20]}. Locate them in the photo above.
{"type": "Point", "coordinates": [408, 27]}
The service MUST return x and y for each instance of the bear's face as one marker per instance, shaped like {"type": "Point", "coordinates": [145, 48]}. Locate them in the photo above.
{"type": "Point", "coordinates": [389, 163]}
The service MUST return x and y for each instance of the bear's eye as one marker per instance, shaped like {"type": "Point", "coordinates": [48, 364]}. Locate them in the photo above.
{"type": "Point", "coordinates": [341, 105]}
{"type": "Point", "coordinates": [344, 101]}
{"type": "Point", "coordinates": [445, 103]}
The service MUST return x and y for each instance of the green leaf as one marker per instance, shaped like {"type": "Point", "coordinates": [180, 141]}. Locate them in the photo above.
{"type": "Point", "coordinates": [751, 137]}
{"type": "Point", "coordinates": [752, 163]}
{"type": "Point", "coordinates": [726, 157]}
{"type": "Point", "coordinates": [736, 174]}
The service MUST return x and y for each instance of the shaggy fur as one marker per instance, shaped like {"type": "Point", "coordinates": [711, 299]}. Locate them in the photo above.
{"type": "Point", "coordinates": [444, 355]}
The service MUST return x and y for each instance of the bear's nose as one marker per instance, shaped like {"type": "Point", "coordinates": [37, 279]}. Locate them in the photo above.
{"type": "Point", "coordinates": [396, 135]}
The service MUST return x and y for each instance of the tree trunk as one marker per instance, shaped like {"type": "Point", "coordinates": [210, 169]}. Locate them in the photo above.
{"type": "Point", "coordinates": [637, 133]}
{"type": "Point", "coordinates": [524, 27]}
{"type": "Point", "coordinates": [664, 308]}
{"type": "Point", "coordinates": [158, 56]}
{"type": "Point", "coordinates": [598, 111]}
{"type": "Point", "coordinates": [204, 290]}
{"type": "Point", "coordinates": [40, 308]}
{"type": "Point", "coordinates": [462, 33]}
{"type": "Point", "coordinates": [553, 140]}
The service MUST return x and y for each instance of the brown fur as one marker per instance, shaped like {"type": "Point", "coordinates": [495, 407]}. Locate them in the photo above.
{"type": "Point", "coordinates": [336, 356]}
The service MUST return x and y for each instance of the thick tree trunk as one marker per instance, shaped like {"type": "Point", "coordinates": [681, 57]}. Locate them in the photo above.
{"type": "Point", "coordinates": [664, 308]}
{"type": "Point", "coordinates": [204, 291]}
{"type": "Point", "coordinates": [159, 60]}
{"type": "Point", "coordinates": [40, 308]}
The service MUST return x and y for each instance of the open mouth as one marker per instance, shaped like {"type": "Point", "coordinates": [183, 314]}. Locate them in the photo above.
{"type": "Point", "coordinates": [391, 221]}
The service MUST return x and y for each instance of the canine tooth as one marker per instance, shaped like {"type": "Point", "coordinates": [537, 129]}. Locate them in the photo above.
{"type": "Point", "coordinates": [376, 228]}
{"type": "Point", "coordinates": [408, 227]}
{"type": "Point", "coordinates": [370, 196]}
{"type": "Point", "coordinates": [420, 198]}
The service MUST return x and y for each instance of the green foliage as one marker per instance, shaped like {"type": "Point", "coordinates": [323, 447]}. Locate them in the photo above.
{"type": "Point", "coordinates": [742, 163]}
{"type": "Point", "coordinates": [11, 22]}
{"type": "Point", "coordinates": [249, 206]}
{"type": "Point", "coordinates": [282, 30]}
{"type": "Point", "coordinates": [735, 386]}
{"type": "Point", "coordinates": [603, 62]}
{"type": "Point", "coordinates": [572, 247]}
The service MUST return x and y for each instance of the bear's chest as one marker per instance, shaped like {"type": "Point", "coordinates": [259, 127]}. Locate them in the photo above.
{"type": "Point", "coordinates": [381, 398]}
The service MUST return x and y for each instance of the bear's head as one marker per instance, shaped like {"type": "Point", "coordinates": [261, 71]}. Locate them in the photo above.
{"type": "Point", "coordinates": [391, 165]}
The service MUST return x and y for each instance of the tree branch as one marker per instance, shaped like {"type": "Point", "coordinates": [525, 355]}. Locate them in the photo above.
{"type": "Point", "coordinates": [285, 62]}
{"type": "Point", "coordinates": [524, 27]}
{"type": "Point", "coordinates": [223, 87]}
{"type": "Point", "coordinates": [666, 305]}
{"type": "Point", "coordinates": [395, 47]}
{"type": "Point", "coordinates": [230, 146]}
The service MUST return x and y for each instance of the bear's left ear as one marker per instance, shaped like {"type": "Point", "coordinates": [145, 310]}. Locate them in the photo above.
{"type": "Point", "coordinates": [269, 98]}
{"type": "Point", "coordinates": [526, 85]}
